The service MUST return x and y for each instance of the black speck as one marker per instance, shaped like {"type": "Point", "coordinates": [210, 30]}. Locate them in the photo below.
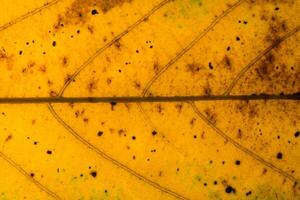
{"type": "Point", "coordinates": [113, 104]}
{"type": "Point", "coordinates": [229, 189]}
{"type": "Point", "coordinates": [210, 65]}
{"type": "Point", "coordinates": [237, 162]}
{"type": "Point", "coordinates": [277, 8]}
{"type": "Point", "coordinates": [133, 137]}
{"type": "Point", "coordinates": [94, 12]}
{"type": "Point", "coordinates": [49, 152]}
{"type": "Point", "coordinates": [248, 193]}
{"type": "Point", "coordinates": [279, 155]}
{"type": "Point", "coordinates": [154, 133]}
{"type": "Point", "coordinates": [100, 133]}
{"type": "Point", "coordinates": [32, 175]}
{"type": "Point", "coordinates": [238, 38]}
{"type": "Point", "coordinates": [228, 48]}
{"type": "Point", "coordinates": [20, 52]}
{"type": "Point", "coordinates": [297, 134]}
{"type": "Point", "coordinates": [54, 43]}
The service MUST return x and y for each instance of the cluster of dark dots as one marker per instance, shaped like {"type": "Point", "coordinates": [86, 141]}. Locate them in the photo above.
{"type": "Point", "coordinates": [248, 193]}
{"type": "Point", "coordinates": [244, 22]}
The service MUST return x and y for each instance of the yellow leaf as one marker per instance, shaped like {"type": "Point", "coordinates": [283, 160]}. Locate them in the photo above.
{"type": "Point", "coordinates": [156, 99]}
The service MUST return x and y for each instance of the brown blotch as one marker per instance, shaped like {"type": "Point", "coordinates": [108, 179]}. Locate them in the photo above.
{"type": "Point", "coordinates": [276, 29]}
{"type": "Point", "coordinates": [266, 67]}
{"type": "Point", "coordinates": [79, 12]}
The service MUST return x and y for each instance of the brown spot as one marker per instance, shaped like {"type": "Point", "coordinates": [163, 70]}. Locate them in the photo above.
{"type": "Point", "coordinates": [49, 82]}
{"type": "Point", "coordinates": [90, 29]}
{"type": "Point", "coordinates": [264, 171]}
{"type": "Point", "coordinates": [156, 67]}
{"type": "Point", "coordinates": [207, 90]}
{"type": "Point", "coordinates": [239, 134]}
{"type": "Point", "coordinates": [53, 93]}
{"type": "Point", "coordinates": [211, 116]}
{"type": "Point", "coordinates": [160, 173]}
{"type": "Point", "coordinates": [29, 67]}
{"type": "Point", "coordinates": [179, 106]}
{"type": "Point", "coordinates": [68, 78]}
{"type": "Point", "coordinates": [9, 137]}
{"type": "Point", "coordinates": [192, 121]}
{"type": "Point", "coordinates": [43, 68]}
{"type": "Point", "coordinates": [194, 67]}
{"type": "Point", "coordinates": [137, 84]}
{"type": "Point", "coordinates": [117, 44]}
{"type": "Point", "coordinates": [64, 61]}
{"type": "Point", "coordinates": [159, 108]}
{"type": "Point", "coordinates": [92, 85]}
{"type": "Point", "coordinates": [108, 81]}
{"type": "Point", "coordinates": [226, 62]}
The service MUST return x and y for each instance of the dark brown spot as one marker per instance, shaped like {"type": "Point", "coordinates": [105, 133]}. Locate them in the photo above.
{"type": "Point", "coordinates": [49, 152]}
{"type": "Point", "coordinates": [93, 174]}
{"type": "Point", "coordinates": [230, 189]}
{"type": "Point", "coordinates": [279, 155]}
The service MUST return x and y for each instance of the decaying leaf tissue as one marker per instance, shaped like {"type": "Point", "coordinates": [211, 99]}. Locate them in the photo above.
{"type": "Point", "coordinates": [149, 99]}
